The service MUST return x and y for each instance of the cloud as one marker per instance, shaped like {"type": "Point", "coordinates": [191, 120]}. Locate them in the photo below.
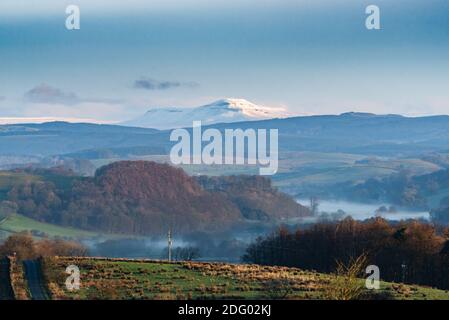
{"type": "Point", "coordinates": [44, 93]}
{"type": "Point", "coordinates": [47, 94]}
{"type": "Point", "coordinates": [152, 84]}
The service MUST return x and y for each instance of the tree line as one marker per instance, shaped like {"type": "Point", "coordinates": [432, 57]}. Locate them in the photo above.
{"type": "Point", "coordinates": [411, 252]}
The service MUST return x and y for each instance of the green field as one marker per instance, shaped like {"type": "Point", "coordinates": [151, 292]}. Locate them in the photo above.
{"type": "Point", "coordinates": [313, 172]}
{"type": "Point", "coordinates": [18, 223]}
{"type": "Point", "coordinates": [125, 279]}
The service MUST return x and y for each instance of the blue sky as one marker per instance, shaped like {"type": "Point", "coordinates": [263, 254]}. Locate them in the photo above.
{"type": "Point", "coordinates": [313, 57]}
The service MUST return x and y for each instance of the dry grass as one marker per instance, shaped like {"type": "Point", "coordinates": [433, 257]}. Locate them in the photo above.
{"type": "Point", "coordinates": [18, 281]}
{"type": "Point", "coordinates": [273, 282]}
{"type": "Point", "coordinates": [108, 279]}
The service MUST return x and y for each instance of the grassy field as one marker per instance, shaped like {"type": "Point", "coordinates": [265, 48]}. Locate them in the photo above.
{"type": "Point", "coordinates": [18, 223]}
{"type": "Point", "coordinates": [115, 279]}
{"type": "Point", "coordinates": [322, 169]}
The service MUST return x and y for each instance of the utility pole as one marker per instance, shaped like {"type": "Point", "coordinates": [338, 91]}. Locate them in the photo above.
{"type": "Point", "coordinates": [170, 243]}
{"type": "Point", "coordinates": [404, 270]}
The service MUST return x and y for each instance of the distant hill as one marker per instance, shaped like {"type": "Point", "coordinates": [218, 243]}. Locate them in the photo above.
{"type": "Point", "coordinates": [147, 198]}
{"type": "Point", "coordinates": [225, 110]}
{"type": "Point", "coordinates": [60, 138]}
{"type": "Point", "coordinates": [356, 133]}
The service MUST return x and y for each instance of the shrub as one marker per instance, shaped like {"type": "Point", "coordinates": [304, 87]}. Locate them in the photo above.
{"type": "Point", "coordinates": [345, 283]}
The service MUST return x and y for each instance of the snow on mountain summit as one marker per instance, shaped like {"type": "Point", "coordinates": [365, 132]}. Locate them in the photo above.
{"type": "Point", "coordinates": [221, 111]}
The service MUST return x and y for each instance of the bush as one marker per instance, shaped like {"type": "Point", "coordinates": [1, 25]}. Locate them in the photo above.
{"type": "Point", "coordinates": [278, 289]}
{"type": "Point", "coordinates": [345, 283]}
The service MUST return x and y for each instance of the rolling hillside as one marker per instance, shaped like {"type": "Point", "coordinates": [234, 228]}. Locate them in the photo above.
{"type": "Point", "coordinates": [139, 279]}
{"type": "Point", "coordinates": [356, 133]}
{"type": "Point", "coordinates": [142, 198]}
{"type": "Point", "coordinates": [317, 153]}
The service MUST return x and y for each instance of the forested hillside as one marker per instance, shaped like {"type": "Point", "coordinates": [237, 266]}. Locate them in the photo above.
{"type": "Point", "coordinates": [147, 198]}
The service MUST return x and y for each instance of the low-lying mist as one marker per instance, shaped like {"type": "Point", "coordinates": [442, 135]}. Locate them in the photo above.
{"type": "Point", "coordinates": [225, 247]}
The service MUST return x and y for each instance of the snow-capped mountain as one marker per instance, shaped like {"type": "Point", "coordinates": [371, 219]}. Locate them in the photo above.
{"type": "Point", "coordinates": [221, 111]}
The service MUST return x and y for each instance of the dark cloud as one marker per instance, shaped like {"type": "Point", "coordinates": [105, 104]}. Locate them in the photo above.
{"type": "Point", "coordinates": [44, 93]}
{"type": "Point", "coordinates": [152, 84]}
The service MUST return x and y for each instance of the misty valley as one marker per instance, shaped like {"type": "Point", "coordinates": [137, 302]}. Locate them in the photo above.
{"type": "Point", "coordinates": [111, 191]}
{"type": "Point", "coordinates": [224, 150]}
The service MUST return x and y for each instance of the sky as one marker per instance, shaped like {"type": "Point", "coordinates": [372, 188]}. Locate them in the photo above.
{"type": "Point", "coordinates": [309, 56]}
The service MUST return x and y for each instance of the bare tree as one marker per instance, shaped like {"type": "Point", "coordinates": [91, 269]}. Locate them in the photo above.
{"type": "Point", "coordinates": [186, 253]}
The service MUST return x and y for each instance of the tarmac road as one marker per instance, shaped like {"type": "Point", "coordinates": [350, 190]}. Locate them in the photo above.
{"type": "Point", "coordinates": [6, 292]}
{"type": "Point", "coordinates": [36, 284]}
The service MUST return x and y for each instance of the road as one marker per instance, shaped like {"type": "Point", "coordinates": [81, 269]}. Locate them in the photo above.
{"type": "Point", "coordinates": [6, 292]}
{"type": "Point", "coordinates": [36, 283]}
